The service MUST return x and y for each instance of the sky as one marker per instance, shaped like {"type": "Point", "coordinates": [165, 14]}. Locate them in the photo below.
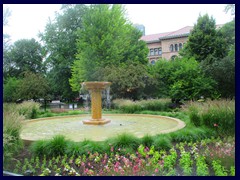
{"type": "Point", "coordinates": [27, 20]}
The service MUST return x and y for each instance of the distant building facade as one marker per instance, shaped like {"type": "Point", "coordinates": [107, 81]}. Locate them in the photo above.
{"type": "Point", "coordinates": [166, 45]}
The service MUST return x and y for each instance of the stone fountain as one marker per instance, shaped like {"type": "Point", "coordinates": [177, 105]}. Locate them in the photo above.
{"type": "Point", "coordinates": [72, 127]}
{"type": "Point", "coordinates": [96, 89]}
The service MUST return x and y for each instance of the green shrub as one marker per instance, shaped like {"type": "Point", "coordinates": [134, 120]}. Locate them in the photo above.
{"type": "Point", "coordinates": [29, 109]}
{"type": "Point", "coordinates": [74, 149]}
{"type": "Point", "coordinates": [92, 146]}
{"type": "Point", "coordinates": [54, 147]}
{"type": "Point", "coordinates": [162, 142]}
{"type": "Point", "coordinates": [39, 148]}
{"type": "Point", "coordinates": [124, 141]}
{"type": "Point", "coordinates": [57, 146]}
{"type": "Point", "coordinates": [147, 140]}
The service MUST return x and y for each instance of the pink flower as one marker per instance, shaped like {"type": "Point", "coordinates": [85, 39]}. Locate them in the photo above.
{"type": "Point", "coordinates": [86, 171]}
{"type": "Point", "coordinates": [215, 125]}
{"type": "Point", "coordinates": [156, 170]}
{"type": "Point", "coordinates": [112, 149]}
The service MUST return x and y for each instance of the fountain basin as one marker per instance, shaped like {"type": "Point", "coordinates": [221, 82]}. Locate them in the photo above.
{"type": "Point", "coordinates": [73, 128]}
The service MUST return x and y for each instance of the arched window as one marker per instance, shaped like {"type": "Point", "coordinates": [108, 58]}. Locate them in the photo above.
{"type": "Point", "coordinates": [151, 52]}
{"type": "Point", "coordinates": [173, 57]}
{"type": "Point", "coordinates": [176, 47]}
{"type": "Point", "coordinates": [159, 51]}
{"type": "Point", "coordinates": [153, 62]}
{"type": "Point", "coordinates": [171, 48]}
{"type": "Point", "coordinates": [155, 51]}
{"type": "Point", "coordinates": [180, 46]}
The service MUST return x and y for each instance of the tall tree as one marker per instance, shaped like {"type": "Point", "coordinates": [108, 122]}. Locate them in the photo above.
{"type": "Point", "coordinates": [24, 55]}
{"type": "Point", "coordinates": [59, 40]}
{"type": "Point", "coordinates": [106, 38]}
{"type": "Point", "coordinates": [205, 40]}
{"type": "Point", "coordinates": [33, 86]}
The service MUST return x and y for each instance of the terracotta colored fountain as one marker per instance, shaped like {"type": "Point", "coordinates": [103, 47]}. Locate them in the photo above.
{"type": "Point", "coordinates": [96, 89]}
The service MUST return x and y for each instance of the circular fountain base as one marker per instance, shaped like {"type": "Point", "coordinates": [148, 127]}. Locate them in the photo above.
{"type": "Point", "coordinates": [96, 121]}
{"type": "Point", "coordinates": [73, 128]}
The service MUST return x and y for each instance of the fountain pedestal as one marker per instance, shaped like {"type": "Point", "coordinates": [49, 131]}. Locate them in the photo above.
{"type": "Point", "coordinates": [96, 89]}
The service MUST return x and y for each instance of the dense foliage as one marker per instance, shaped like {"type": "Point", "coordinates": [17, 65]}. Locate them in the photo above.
{"type": "Point", "coordinates": [214, 47]}
{"type": "Point", "coordinates": [59, 40]}
{"type": "Point", "coordinates": [98, 43]}
{"type": "Point", "coordinates": [182, 79]}
{"type": "Point", "coordinates": [24, 55]}
{"type": "Point", "coordinates": [105, 39]}
{"type": "Point", "coordinates": [205, 40]}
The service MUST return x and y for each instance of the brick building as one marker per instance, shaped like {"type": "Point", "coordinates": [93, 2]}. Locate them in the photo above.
{"type": "Point", "coordinates": [166, 45]}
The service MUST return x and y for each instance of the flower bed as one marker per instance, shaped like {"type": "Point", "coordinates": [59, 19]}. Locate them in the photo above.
{"type": "Point", "coordinates": [183, 159]}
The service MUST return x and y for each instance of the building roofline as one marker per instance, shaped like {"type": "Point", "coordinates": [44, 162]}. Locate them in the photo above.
{"type": "Point", "coordinates": [174, 36]}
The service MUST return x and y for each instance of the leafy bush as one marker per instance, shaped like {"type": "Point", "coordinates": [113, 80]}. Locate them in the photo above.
{"type": "Point", "coordinates": [55, 146]}
{"type": "Point", "coordinates": [38, 148]}
{"type": "Point", "coordinates": [162, 142]}
{"type": "Point", "coordinates": [74, 149]}
{"type": "Point", "coordinates": [10, 89]}
{"type": "Point", "coordinates": [29, 109]}
{"type": "Point", "coordinates": [147, 140]}
{"type": "Point", "coordinates": [128, 106]}
{"type": "Point", "coordinates": [182, 79]}
{"type": "Point", "coordinates": [92, 146]}
{"type": "Point", "coordinates": [124, 141]}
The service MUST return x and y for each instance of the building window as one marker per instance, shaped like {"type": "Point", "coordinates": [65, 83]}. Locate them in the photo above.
{"type": "Point", "coordinates": [171, 48]}
{"type": "Point", "coordinates": [153, 62]}
{"type": "Point", "coordinates": [159, 51]}
{"type": "Point", "coordinates": [151, 52]}
{"type": "Point", "coordinates": [176, 47]}
{"type": "Point", "coordinates": [155, 51]}
{"type": "Point", "coordinates": [180, 46]}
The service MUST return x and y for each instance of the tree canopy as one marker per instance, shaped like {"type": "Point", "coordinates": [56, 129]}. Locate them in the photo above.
{"type": "Point", "coordinates": [59, 40]}
{"type": "Point", "coordinates": [24, 55]}
{"type": "Point", "coordinates": [33, 86]}
{"type": "Point", "coordinates": [106, 38]}
{"type": "Point", "coordinates": [205, 40]}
